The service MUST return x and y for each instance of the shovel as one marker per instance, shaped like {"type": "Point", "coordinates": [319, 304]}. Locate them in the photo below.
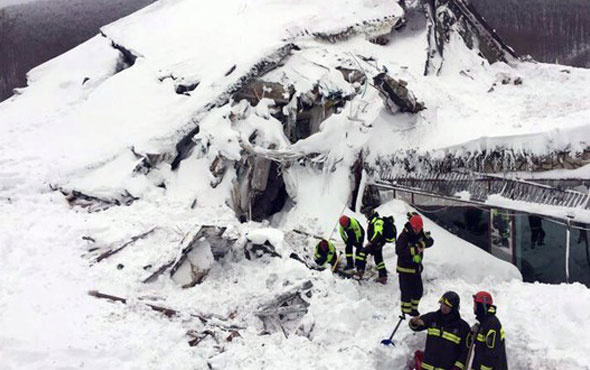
{"type": "Point", "coordinates": [389, 340]}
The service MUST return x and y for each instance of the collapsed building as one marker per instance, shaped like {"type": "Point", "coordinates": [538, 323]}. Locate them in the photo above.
{"type": "Point", "coordinates": [277, 107]}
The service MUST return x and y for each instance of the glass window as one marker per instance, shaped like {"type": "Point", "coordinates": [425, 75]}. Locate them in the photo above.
{"type": "Point", "coordinates": [501, 234]}
{"type": "Point", "coordinates": [540, 249]}
{"type": "Point", "coordinates": [580, 254]}
{"type": "Point", "coordinates": [468, 223]}
{"type": "Point", "coordinates": [535, 244]}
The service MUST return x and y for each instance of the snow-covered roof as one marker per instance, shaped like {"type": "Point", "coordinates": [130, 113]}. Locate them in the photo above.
{"type": "Point", "coordinates": [468, 107]}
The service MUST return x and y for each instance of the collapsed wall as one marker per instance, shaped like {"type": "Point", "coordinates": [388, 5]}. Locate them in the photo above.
{"type": "Point", "coordinates": [259, 189]}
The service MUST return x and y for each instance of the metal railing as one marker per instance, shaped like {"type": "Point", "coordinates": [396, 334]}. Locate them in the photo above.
{"type": "Point", "coordinates": [481, 186]}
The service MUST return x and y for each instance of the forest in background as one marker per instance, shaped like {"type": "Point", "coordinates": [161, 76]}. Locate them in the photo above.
{"type": "Point", "coordinates": [32, 33]}
{"type": "Point", "coordinates": [35, 32]}
{"type": "Point", "coordinates": [553, 31]}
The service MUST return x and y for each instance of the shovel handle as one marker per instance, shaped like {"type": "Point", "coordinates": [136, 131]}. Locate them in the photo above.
{"type": "Point", "coordinates": [468, 362]}
{"type": "Point", "coordinates": [388, 341]}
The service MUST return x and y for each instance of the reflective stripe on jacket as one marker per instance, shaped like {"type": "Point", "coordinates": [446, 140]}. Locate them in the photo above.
{"type": "Point", "coordinates": [354, 233]}
{"type": "Point", "coordinates": [375, 234]}
{"type": "Point", "coordinates": [490, 347]}
{"type": "Point", "coordinates": [446, 342]}
{"type": "Point", "coordinates": [322, 257]}
{"type": "Point", "coordinates": [406, 248]}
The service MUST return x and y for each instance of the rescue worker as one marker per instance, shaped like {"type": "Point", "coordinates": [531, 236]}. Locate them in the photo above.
{"type": "Point", "coordinates": [447, 344]}
{"type": "Point", "coordinates": [378, 233]}
{"type": "Point", "coordinates": [353, 235]}
{"type": "Point", "coordinates": [410, 251]}
{"type": "Point", "coordinates": [325, 253]}
{"type": "Point", "coordinates": [490, 348]}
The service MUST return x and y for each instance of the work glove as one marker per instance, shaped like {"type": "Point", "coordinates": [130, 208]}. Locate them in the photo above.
{"type": "Point", "coordinates": [417, 258]}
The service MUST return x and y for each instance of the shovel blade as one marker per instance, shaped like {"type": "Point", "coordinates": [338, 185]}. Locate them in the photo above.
{"type": "Point", "coordinates": [387, 342]}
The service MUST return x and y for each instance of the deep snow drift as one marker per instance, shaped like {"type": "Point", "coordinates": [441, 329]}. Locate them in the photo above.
{"type": "Point", "coordinates": [87, 113]}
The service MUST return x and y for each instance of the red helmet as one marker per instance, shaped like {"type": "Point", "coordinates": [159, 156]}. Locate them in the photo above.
{"type": "Point", "coordinates": [483, 297]}
{"type": "Point", "coordinates": [416, 222]}
{"type": "Point", "coordinates": [344, 221]}
{"type": "Point", "coordinates": [324, 244]}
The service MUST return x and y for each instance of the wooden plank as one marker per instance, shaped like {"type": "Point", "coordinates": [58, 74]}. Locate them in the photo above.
{"type": "Point", "coordinates": [133, 239]}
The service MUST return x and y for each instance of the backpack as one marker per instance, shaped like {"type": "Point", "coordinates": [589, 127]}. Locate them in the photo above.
{"type": "Point", "coordinates": [389, 230]}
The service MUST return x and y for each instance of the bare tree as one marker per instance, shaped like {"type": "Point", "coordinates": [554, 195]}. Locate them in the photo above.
{"type": "Point", "coordinates": [8, 67]}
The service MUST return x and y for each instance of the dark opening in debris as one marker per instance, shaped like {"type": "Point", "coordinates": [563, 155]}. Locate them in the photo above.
{"type": "Point", "coordinates": [184, 147]}
{"type": "Point", "coordinates": [127, 57]}
{"type": "Point", "coordinates": [273, 198]}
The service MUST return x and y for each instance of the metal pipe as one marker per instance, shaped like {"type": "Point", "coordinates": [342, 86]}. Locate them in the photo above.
{"type": "Point", "coordinates": [567, 251]}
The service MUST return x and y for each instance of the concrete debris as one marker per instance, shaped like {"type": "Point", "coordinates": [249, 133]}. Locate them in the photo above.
{"type": "Point", "coordinates": [285, 311]}
{"type": "Point", "coordinates": [395, 94]}
{"type": "Point", "coordinates": [198, 251]}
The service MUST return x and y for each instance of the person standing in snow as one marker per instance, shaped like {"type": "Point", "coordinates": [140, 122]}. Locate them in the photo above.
{"type": "Point", "coordinates": [353, 235]}
{"type": "Point", "coordinates": [410, 251]}
{"type": "Point", "coordinates": [490, 349]}
{"type": "Point", "coordinates": [379, 232]}
{"type": "Point", "coordinates": [325, 253]}
{"type": "Point", "coordinates": [447, 344]}
{"type": "Point", "coordinates": [537, 232]}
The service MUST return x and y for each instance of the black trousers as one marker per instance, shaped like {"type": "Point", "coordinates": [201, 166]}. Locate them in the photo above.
{"type": "Point", "coordinates": [411, 288]}
{"type": "Point", "coordinates": [348, 252]}
{"type": "Point", "coordinates": [377, 252]}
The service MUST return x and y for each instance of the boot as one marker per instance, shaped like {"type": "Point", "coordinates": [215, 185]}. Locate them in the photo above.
{"type": "Point", "coordinates": [359, 274]}
{"type": "Point", "coordinates": [348, 267]}
{"type": "Point", "coordinates": [414, 313]}
{"type": "Point", "coordinates": [382, 280]}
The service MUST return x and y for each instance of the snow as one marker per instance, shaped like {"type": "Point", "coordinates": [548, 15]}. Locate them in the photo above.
{"type": "Point", "coordinates": [49, 321]}
{"type": "Point", "coordinates": [320, 199]}
{"type": "Point", "coordinates": [561, 213]}
{"type": "Point", "coordinates": [273, 236]}
{"type": "Point", "coordinates": [85, 136]}
{"type": "Point", "coordinates": [578, 173]}
{"type": "Point", "coordinates": [100, 333]}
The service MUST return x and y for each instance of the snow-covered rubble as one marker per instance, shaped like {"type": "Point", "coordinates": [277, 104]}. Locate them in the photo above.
{"type": "Point", "coordinates": [91, 122]}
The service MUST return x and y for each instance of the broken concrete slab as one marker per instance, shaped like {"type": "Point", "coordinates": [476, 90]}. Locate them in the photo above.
{"type": "Point", "coordinates": [259, 89]}
{"type": "Point", "coordinates": [199, 249]}
{"type": "Point", "coordinates": [352, 75]}
{"type": "Point", "coordinates": [396, 95]}
{"type": "Point", "coordinates": [265, 241]}
{"type": "Point", "coordinates": [196, 265]}
{"type": "Point", "coordinates": [284, 312]}
{"type": "Point", "coordinates": [252, 249]}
